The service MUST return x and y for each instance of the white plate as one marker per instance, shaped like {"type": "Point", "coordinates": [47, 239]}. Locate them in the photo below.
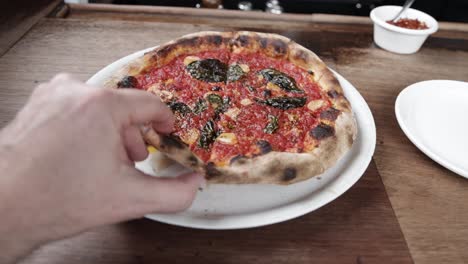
{"type": "Point", "coordinates": [222, 206]}
{"type": "Point", "coordinates": [433, 115]}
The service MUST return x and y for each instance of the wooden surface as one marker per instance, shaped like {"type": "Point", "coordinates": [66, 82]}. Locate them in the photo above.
{"type": "Point", "coordinates": [358, 227]}
{"type": "Point", "coordinates": [429, 201]}
{"type": "Point", "coordinates": [18, 16]}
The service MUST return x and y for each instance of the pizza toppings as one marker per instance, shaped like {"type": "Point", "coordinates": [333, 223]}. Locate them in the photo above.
{"type": "Point", "coordinates": [235, 72]}
{"type": "Point", "coordinates": [241, 105]}
{"type": "Point", "coordinates": [272, 125]}
{"type": "Point", "coordinates": [284, 102]}
{"type": "Point", "coordinates": [179, 107]}
{"type": "Point", "coordinates": [208, 135]}
{"type": "Point", "coordinates": [315, 105]}
{"type": "Point", "coordinates": [215, 100]}
{"type": "Point", "coordinates": [208, 70]}
{"type": "Point", "coordinates": [227, 138]}
{"type": "Point", "coordinates": [128, 82]}
{"type": "Point", "coordinates": [190, 59]}
{"type": "Point", "coordinates": [322, 131]}
{"type": "Point", "coordinates": [281, 80]}
{"type": "Point", "coordinates": [200, 106]}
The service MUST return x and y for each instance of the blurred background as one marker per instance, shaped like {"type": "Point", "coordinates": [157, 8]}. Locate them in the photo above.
{"type": "Point", "coordinates": [442, 10]}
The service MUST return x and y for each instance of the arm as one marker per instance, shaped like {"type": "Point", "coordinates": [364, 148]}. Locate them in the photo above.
{"type": "Point", "coordinates": [67, 164]}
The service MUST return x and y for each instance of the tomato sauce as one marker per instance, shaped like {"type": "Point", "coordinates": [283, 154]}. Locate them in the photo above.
{"type": "Point", "coordinates": [252, 117]}
{"type": "Point", "coordinates": [409, 23]}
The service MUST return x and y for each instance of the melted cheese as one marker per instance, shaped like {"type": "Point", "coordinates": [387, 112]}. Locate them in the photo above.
{"type": "Point", "coordinates": [246, 101]}
{"type": "Point", "coordinates": [190, 136]}
{"type": "Point", "coordinates": [314, 105]}
{"type": "Point", "coordinates": [190, 59]}
{"type": "Point", "coordinates": [233, 113]}
{"type": "Point", "coordinates": [227, 138]}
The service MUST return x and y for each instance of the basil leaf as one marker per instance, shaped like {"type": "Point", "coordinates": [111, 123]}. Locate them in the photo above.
{"type": "Point", "coordinates": [272, 125]}
{"type": "Point", "coordinates": [179, 107]}
{"type": "Point", "coordinates": [215, 99]}
{"type": "Point", "coordinates": [208, 135]}
{"type": "Point", "coordinates": [200, 106]}
{"type": "Point", "coordinates": [282, 80]}
{"type": "Point", "coordinates": [284, 103]}
{"type": "Point", "coordinates": [208, 70]}
{"type": "Point", "coordinates": [234, 73]}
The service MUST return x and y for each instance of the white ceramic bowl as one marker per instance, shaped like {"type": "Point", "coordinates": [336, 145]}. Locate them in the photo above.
{"type": "Point", "coordinates": [397, 39]}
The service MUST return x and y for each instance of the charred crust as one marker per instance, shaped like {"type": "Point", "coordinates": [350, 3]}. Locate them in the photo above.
{"type": "Point", "coordinates": [330, 114]}
{"type": "Point", "coordinates": [263, 43]}
{"type": "Point", "coordinates": [303, 56]}
{"type": "Point", "coordinates": [168, 142]}
{"type": "Point", "coordinates": [322, 131]}
{"type": "Point", "coordinates": [242, 40]}
{"type": "Point", "coordinates": [128, 82]}
{"type": "Point", "coordinates": [215, 39]}
{"type": "Point", "coordinates": [240, 159]}
{"type": "Point", "coordinates": [188, 42]}
{"type": "Point", "coordinates": [279, 46]}
{"type": "Point", "coordinates": [289, 174]}
{"type": "Point", "coordinates": [193, 161]}
{"type": "Point", "coordinates": [211, 170]}
{"type": "Point", "coordinates": [264, 146]}
{"type": "Point", "coordinates": [333, 94]}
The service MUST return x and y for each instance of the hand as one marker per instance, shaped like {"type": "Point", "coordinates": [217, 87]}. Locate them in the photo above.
{"type": "Point", "coordinates": [66, 164]}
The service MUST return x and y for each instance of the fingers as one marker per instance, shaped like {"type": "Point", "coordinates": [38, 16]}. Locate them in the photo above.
{"type": "Point", "coordinates": [134, 143]}
{"type": "Point", "coordinates": [137, 107]}
{"type": "Point", "coordinates": [163, 195]}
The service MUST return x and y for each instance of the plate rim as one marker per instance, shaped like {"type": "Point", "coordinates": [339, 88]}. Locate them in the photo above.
{"type": "Point", "coordinates": [274, 215]}
{"type": "Point", "coordinates": [407, 131]}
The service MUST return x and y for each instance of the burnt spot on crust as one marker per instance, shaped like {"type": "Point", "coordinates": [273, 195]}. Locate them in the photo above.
{"type": "Point", "coordinates": [189, 42]}
{"type": "Point", "coordinates": [303, 56]}
{"type": "Point", "coordinates": [279, 46]}
{"type": "Point", "coordinates": [242, 40]}
{"type": "Point", "coordinates": [322, 131]}
{"type": "Point", "coordinates": [311, 72]}
{"type": "Point", "coordinates": [264, 146]}
{"type": "Point", "coordinates": [333, 94]}
{"type": "Point", "coordinates": [211, 170]}
{"type": "Point", "coordinates": [289, 174]}
{"type": "Point", "coordinates": [168, 142]}
{"type": "Point", "coordinates": [240, 159]}
{"type": "Point", "coordinates": [215, 39]}
{"type": "Point", "coordinates": [263, 43]}
{"type": "Point", "coordinates": [128, 82]}
{"type": "Point", "coordinates": [330, 114]}
{"type": "Point", "coordinates": [193, 161]}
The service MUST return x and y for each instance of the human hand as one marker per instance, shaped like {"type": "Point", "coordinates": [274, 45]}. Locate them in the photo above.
{"type": "Point", "coordinates": [66, 164]}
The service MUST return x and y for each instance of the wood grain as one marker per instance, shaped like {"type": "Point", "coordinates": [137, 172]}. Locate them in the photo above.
{"type": "Point", "coordinates": [358, 227]}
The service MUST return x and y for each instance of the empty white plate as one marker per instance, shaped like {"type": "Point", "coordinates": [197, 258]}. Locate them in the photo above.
{"type": "Point", "coordinates": [434, 116]}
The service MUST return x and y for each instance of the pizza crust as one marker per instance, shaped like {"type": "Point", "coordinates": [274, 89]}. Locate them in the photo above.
{"type": "Point", "coordinates": [272, 167]}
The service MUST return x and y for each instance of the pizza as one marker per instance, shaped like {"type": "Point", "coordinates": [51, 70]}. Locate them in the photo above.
{"type": "Point", "coordinates": [250, 107]}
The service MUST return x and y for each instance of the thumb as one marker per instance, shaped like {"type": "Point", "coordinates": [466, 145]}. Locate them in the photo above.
{"type": "Point", "coordinates": [165, 195]}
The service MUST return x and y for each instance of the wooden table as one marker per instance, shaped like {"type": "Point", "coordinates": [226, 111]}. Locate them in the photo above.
{"type": "Point", "coordinates": [405, 208]}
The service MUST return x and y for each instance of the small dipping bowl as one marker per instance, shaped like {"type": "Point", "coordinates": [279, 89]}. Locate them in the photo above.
{"type": "Point", "coordinates": [398, 39]}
